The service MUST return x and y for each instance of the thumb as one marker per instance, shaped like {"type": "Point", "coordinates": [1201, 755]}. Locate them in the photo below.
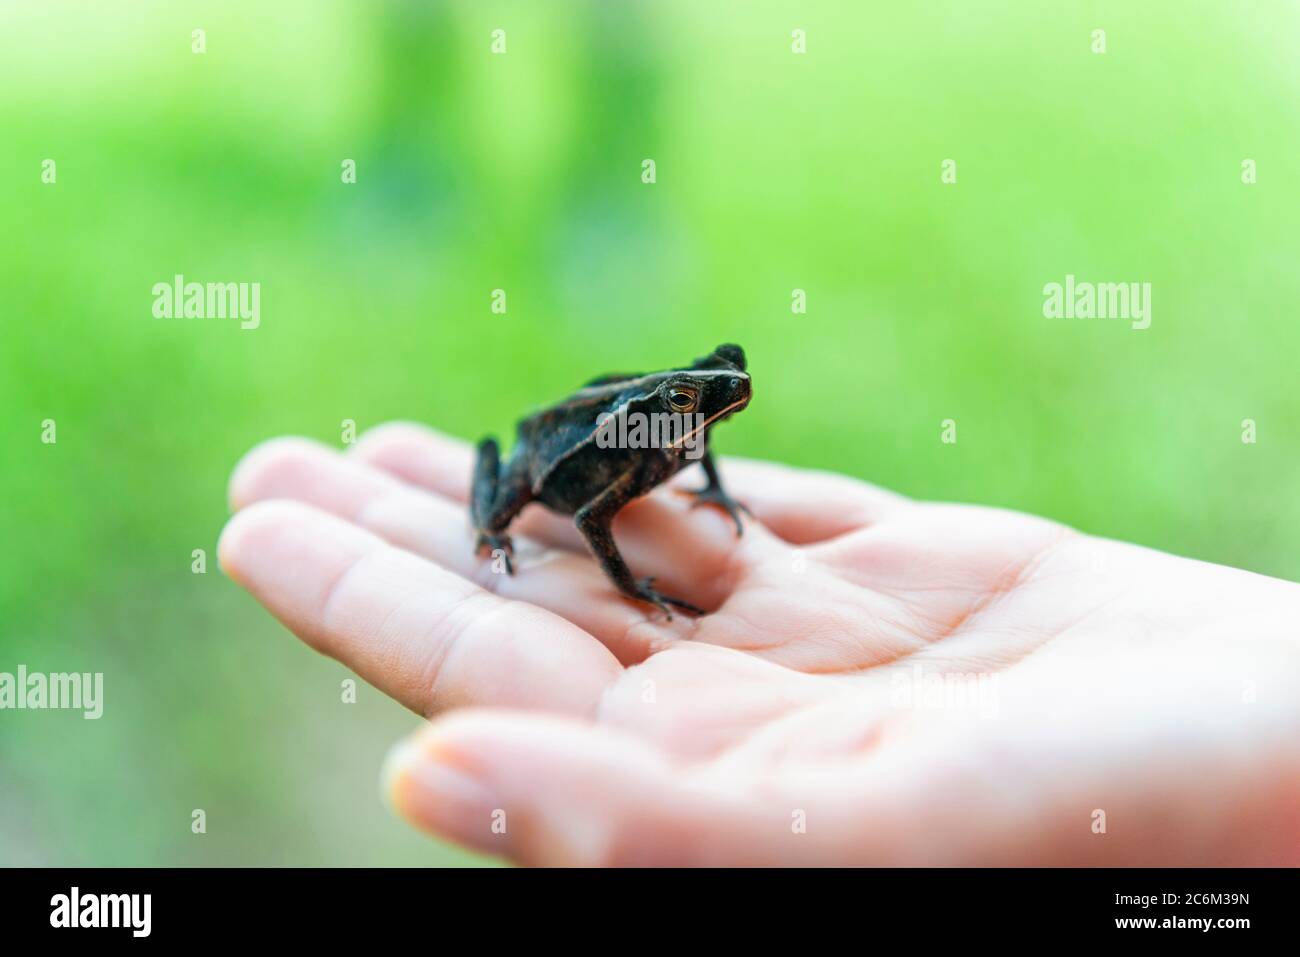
{"type": "Point", "coordinates": [554, 791]}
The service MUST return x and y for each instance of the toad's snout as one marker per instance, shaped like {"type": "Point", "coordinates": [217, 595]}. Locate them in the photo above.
{"type": "Point", "coordinates": [738, 392]}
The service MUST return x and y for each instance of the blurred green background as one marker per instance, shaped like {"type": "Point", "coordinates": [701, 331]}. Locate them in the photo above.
{"type": "Point", "coordinates": [522, 171]}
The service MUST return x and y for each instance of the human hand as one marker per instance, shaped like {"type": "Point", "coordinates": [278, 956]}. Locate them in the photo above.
{"type": "Point", "coordinates": [880, 681]}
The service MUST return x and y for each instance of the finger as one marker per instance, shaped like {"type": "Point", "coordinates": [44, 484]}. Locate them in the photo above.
{"type": "Point", "coordinates": [802, 506]}
{"type": "Point", "coordinates": [694, 556]}
{"type": "Point", "coordinates": [418, 632]}
{"type": "Point", "coordinates": [559, 792]}
{"type": "Point", "coordinates": [435, 528]}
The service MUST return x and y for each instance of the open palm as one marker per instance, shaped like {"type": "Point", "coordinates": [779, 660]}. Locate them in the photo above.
{"type": "Point", "coordinates": [879, 681]}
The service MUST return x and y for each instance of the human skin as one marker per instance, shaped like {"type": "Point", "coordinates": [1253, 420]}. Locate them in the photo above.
{"type": "Point", "coordinates": [1127, 706]}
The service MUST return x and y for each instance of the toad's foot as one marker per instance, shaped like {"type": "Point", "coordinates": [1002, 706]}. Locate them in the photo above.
{"type": "Point", "coordinates": [646, 593]}
{"type": "Point", "coordinates": [714, 495]}
{"type": "Point", "coordinates": [494, 543]}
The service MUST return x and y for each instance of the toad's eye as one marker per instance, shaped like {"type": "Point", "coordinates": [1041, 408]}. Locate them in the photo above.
{"type": "Point", "coordinates": [682, 400]}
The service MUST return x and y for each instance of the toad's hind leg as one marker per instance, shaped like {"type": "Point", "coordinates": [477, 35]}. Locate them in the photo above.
{"type": "Point", "coordinates": [496, 497]}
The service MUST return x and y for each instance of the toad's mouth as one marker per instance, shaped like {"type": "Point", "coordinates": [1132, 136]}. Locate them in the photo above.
{"type": "Point", "coordinates": [682, 440]}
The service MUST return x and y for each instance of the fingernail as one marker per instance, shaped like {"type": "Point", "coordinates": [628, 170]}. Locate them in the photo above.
{"type": "Point", "coordinates": [438, 796]}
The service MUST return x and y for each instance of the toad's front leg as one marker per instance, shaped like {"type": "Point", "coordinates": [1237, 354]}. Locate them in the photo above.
{"type": "Point", "coordinates": [715, 494]}
{"type": "Point", "coordinates": [594, 520]}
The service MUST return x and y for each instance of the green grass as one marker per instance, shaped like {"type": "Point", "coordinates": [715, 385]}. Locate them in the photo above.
{"type": "Point", "coordinates": [522, 172]}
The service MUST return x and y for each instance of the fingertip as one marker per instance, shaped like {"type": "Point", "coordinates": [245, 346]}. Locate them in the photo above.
{"type": "Point", "coordinates": [287, 553]}
{"type": "Point", "coordinates": [433, 792]}
{"type": "Point", "coordinates": [239, 536]}
{"type": "Point", "coordinates": [250, 531]}
{"type": "Point", "coordinates": [395, 775]}
{"type": "Point", "coordinates": [270, 464]}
